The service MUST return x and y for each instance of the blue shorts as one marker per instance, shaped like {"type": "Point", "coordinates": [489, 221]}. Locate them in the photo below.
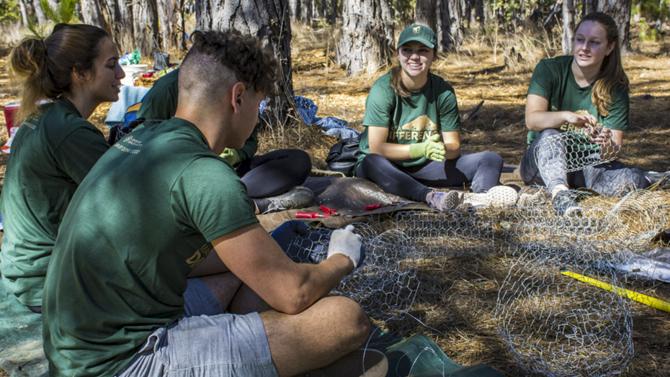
{"type": "Point", "coordinates": [206, 346]}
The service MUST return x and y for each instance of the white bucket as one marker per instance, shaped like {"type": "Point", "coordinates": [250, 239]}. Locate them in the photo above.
{"type": "Point", "coordinates": [132, 71]}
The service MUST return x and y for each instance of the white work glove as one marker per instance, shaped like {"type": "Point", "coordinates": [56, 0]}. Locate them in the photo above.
{"type": "Point", "coordinates": [346, 242]}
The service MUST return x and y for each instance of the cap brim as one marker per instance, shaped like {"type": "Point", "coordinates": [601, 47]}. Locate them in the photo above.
{"type": "Point", "coordinates": [417, 39]}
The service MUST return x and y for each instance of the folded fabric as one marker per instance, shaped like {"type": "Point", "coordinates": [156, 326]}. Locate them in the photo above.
{"type": "Point", "coordinates": [128, 96]}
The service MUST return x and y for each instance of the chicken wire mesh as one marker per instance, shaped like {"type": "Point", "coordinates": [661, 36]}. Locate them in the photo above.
{"type": "Point", "coordinates": [556, 326]}
{"type": "Point", "coordinates": [386, 284]}
{"type": "Point", "coordinates": [573, 151]}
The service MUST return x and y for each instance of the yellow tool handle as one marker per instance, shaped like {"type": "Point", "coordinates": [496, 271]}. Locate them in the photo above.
{"type": "Point", "coordinates": [635, 296]}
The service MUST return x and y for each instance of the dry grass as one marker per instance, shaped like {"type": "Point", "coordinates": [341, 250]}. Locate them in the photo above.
{"type": "Point", "coordinates": [458, 294]}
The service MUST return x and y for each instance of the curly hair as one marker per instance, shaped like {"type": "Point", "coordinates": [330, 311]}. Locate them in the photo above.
{"type": "Point", "coordinates": [44, 66]}
{"type": "Point", "coordinates": [241, 54]}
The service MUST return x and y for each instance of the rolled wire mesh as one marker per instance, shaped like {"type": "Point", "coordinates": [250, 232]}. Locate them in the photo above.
{"type": "Point", "coordinates": [573, 150]}
{"type": "Point", "coordinates": [554, 325]}
{"type": "Point", "coordinates": [386, 284]}
{"type": "Point", "coordinates": [452, 233]}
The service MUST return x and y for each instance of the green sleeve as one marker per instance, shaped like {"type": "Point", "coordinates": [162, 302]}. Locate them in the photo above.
{"type": "Point", "coordinates": [160, 102]}
{"type": "Point", "coordinates": [379, 107]}
{"type": "Point", "coordinates": [618, 117]}
{"type": "Point", "coordinates": [250, 146]}
{"type": "Point", "coordinates": [541, 83]}
{"type": "Point", "coordinates": [448, 110]}
{"type": "Point", "coordinates": [80, 150]}
{"type": "Point", "coordinates": [209, 198]}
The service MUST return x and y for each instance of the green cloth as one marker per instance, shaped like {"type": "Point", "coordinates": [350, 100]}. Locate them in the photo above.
{"type": "Point", "coordinates": [141, 220]}
{"type": "Point", "coordinates": [413, 119]}
{"type": "Point", "coordinates": [553, 80]}
{"type": "Point", "coordinates": [51, 154]}
{"type": "Point", "coordinates": [160, 103]}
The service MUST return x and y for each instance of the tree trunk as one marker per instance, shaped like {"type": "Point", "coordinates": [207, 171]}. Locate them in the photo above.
{"type": "Point", "coordinates": [131, 23]}
{"type": "Point", "coordinates": [39, 13]}
{"type": "Point", "coordinates": [24, 13]}
{"type": "Point", "coordinates": [366, 43]}
{"type": "Point", "coordinates": [589, 6]}
{"type": "Point", "coordinates": [449, 30]}
{"type": "Point", "coordinates": [145, 26]}
{"type": "Point", "coordinates": [568, 25]}
{"type": "Point", "coordinates": [302, 10]}
{"type": "Point", "coordinates": [620, 11]}
{"type": "Point", "coordinates": [91, 13]}
{"type": "Point", "coordinates": [269, 21]}
{"type": "Point", "coordinates": [424, 12]}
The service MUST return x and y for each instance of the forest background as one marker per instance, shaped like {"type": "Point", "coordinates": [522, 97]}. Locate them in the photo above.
{"type": "Point", "coordinates": [332, 51]}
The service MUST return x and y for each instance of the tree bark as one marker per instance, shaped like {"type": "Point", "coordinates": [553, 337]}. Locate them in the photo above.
{"type": "Point", "coordinates": [24, 13]}
{"type": "Point", "coordinates": [568, 25]}
{"type": "Point", "coordinates": [449, 28]}
{"type": "Point", "coordinates": [620, 11]}
{"type": "Point", "coordinates": [301, 10]}
{"type": "Point", "coordinates": [269, 21]}
{"type": "Point", "coordinates": [425, 12]}
{"type": "Point", "coordinates": [132, 23]}
{"type": "Point", "coordinates": [39, 13]}
{"type": "Point", "coordinates": [366, 43]}
{"type": "Point", "coordinates": [589, 6]}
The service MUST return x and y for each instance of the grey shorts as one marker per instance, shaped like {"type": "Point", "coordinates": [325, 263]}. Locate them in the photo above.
{"type": "Point", "coordinates": [206, 346]}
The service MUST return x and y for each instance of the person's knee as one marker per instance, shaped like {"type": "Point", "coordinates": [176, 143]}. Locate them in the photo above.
{"type": "Point", "coordinates": [301, 164]}
{"type": "Point", "coordinates": [492, 159]}
{"type": "Point", "coordinates": [353, 322]}
{"type": "Point", "coordinates": [549, 132]}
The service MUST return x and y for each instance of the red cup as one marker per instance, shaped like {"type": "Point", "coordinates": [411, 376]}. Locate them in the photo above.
{"type": "Point", "coordinates": [10, 111]}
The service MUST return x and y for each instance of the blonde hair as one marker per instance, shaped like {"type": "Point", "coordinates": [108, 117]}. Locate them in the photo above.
{"type": "Point", "coordinates": [611, 72]}
{"type": "Point", "coordinates": [43, 67]}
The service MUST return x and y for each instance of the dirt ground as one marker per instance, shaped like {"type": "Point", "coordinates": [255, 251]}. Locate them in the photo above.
{"type": "Point", "coordinates": [458, 294]}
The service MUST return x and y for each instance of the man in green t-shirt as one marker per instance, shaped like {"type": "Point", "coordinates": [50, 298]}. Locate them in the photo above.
{"type": "Point", "coordinates": [115, 290]}
{"type": "Point", "coordinates": [272, 179]}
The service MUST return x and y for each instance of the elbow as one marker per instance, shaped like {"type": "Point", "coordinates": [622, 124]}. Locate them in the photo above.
{"type": "Point", "coordinates": [297, 297]}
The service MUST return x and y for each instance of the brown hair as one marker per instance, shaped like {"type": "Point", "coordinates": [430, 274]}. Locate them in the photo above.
{"type": "Point", "coordinates": [611, 72]}
{"type": "Point", "coordinates": [241, 54]}
{"type": "Point", "coordinates": [44, 66]}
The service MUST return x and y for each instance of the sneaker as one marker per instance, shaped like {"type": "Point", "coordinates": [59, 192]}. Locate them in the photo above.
{"type": "Point", "coordinates": [565, 203]}
{"type": "Point", "coordinates": [497, 196]}
{"type": "Point", "coordinates": [443, 201]}
{"type": "Point", "coordinates": [297, 197]}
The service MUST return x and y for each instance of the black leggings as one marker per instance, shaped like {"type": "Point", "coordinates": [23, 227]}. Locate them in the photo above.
{"type": "Point", "coordinates": [482, 170]}
{"type": "Point", "coordinates": [275, 172]}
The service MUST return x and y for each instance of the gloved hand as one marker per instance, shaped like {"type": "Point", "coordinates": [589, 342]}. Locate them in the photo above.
{"type": "Point", "coordinates": [231, 155]}
{"type": "Point", "coordinates": [432, 149]}
{"type": "Point", "coordinates": [346, 242]}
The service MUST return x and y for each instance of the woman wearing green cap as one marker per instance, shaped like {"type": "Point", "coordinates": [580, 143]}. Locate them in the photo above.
{"type": "Point", "coordinates": [411, 139]}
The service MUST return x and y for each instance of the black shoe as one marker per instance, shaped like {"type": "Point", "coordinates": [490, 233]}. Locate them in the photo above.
{"type": "Point", "coordinates": [566, 203]}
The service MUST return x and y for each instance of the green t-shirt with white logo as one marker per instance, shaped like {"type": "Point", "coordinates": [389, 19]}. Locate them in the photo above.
{"type": "Point", "coordinates": [160, 103]}
{"type": "Point", "coordinates": [553, 79]}
{"type": "Point", "coordinates": [51, 153]}
{"type": "Point", "coordinates": [410, 120]}
{"type": "Point", "coordinates": [142, 219]}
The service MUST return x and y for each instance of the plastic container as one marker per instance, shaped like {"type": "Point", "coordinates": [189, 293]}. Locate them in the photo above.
{"type": "Point", "coordinates": [132, 71]}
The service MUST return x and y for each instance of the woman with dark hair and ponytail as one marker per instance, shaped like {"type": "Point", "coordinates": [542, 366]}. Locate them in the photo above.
{"type": "Point", "coordinates": [580, 93]}
{"type": "Point", "coordinates": [412, 141]}
{"type": "Point", "coordinates": [64, 78]}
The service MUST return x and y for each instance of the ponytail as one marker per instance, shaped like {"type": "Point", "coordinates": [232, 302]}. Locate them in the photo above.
{"type": "Point", "coordinates": [44, 67]}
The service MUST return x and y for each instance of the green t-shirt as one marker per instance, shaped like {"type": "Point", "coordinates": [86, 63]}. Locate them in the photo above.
{"type": "Point", "coordinates": [51, 153]}
{"type": "Point", "coordinates": [141, 220]}
{"type": "Point", "coordinates": [160, 103]}
{"type": "Point", "coordinates": [553, 80]}
{"type": "Point", "coordinates": [410, 120]}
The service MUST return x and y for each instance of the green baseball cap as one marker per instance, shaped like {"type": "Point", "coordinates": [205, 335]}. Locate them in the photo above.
{"type": "Point", "coordinates": [418, 33]}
